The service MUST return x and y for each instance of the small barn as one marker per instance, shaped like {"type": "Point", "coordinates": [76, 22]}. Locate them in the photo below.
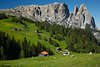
{"type": "Point", "coordinates": [44, 53]}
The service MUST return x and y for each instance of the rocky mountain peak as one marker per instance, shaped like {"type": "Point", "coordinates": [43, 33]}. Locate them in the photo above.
{"type": "Point", "coordinates": [81, 18]}
{"type": "Point", "coordinates": [82, 9]}
{"type": "Point", "coordinates": [83, 6]}
{"type": "Point", "coordinates": [57, 13]}
{"type": "Point", "coordinates": [75, 10]}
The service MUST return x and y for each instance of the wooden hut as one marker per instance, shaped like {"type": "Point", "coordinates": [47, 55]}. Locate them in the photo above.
{"type": "Point", "coordinates": [44, 53]}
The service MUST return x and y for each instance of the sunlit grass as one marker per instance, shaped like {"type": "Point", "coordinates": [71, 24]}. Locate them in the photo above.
{"type": "Point", "coordinates": [80, 60]}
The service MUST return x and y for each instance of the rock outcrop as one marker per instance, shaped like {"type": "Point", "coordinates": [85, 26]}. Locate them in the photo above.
{"type": "Point", "coordinates": [81, 17]}
{"type": "Point", "coordinates": [97, 35]}
{"type": "Point", "coordinates": [56, 13]}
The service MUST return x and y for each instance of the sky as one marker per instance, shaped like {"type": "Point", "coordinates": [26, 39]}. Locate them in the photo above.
{"type": "Point", "coordinates": [93, 6]}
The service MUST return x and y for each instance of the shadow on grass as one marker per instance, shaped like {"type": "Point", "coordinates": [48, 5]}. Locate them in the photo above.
{"type": "Point", "coordinates": [5, 66]}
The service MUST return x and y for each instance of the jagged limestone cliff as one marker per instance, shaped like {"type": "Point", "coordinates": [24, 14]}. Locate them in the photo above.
{"type": "Point", "coordinates": [81, 17]}
{"type": "Point", "coordinates": [56, 13]}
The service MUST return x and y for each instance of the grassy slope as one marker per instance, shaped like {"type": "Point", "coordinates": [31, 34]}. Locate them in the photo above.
{"type": "Point", "coordinates": [80, 60]}
{"type": "Point", "coordinates": [6, 25]}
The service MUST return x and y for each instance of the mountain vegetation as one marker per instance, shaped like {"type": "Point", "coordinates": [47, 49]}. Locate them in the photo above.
{"type": "Point", "coordinates": [22, 37]}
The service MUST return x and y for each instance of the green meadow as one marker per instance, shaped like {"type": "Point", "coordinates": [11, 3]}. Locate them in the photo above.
{"type": "Point", "coordinates": [51, 37]}
{"type": "Point", "coordinates": [79, 60]}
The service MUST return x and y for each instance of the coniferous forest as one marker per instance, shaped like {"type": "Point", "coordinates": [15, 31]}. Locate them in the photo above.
{"type": "Point", "coordinates": [76, 40]}
{"type": "Point", "coordinates": [12, 49]}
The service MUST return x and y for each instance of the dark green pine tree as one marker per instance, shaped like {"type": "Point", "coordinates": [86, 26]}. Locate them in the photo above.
{"type": "Point", "coordinates": [25, 47]}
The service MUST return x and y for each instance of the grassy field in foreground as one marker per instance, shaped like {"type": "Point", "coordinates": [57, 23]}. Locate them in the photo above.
{"type": "Point", "coordinates": [80, 60]}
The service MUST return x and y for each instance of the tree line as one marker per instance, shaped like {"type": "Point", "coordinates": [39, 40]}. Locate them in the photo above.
{"type": "Point", "coordinates": [12, 49]}
{"type": "Point", "coordinates": [77, 40]}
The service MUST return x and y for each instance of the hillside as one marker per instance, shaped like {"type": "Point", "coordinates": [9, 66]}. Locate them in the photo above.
{"type": "Point", "coordinates": [30, 34]}
{"type": "Point", "coordinates": [57, 13]}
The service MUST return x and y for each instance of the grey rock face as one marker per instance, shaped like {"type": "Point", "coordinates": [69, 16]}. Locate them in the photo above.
{"type": "Point", "coordinates": [81, 17]}
{"type": "Point", "coordinates": [58, 13]}
{"type": "Point", "coordinates": [97, 35]}
{"type": "Point", "coordinates": [51, 13]}
{"type": "Point", "coordinates": [75, 10]}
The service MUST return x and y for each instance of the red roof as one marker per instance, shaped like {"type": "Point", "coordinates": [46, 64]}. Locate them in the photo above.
{"type": "Point", "coordinates": [44, 52]}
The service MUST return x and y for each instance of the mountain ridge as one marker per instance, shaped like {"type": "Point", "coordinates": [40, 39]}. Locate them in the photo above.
{"type": "Point", "coordinates": [56, 13]}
